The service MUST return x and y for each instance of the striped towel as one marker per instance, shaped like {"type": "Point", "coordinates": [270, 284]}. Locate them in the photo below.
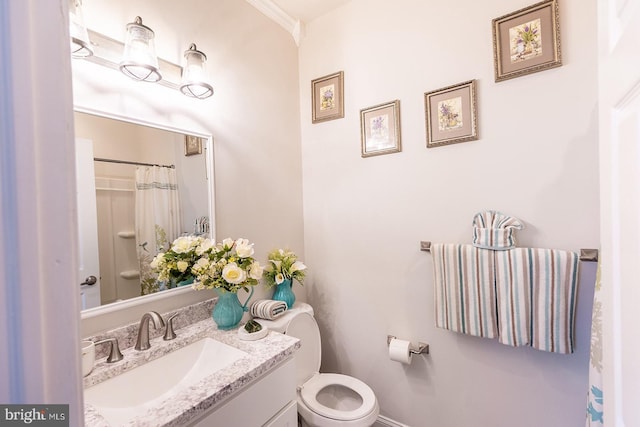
{"type": "Point", "coordinates": [536, 291]}
{"type": "Point", "coordinates": [268, 309]}
{"type": "Point", "coordinates": [465, 289]}
{"type": "Point", "coordinates": [494, 230]}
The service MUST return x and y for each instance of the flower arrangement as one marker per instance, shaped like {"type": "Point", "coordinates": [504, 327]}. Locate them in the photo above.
{"type": "Point", "coordinates": [174, 265]}
{"type": "Point", "coordinates": [228, 265]}
{"type": "Point", "coordinates": [283, 264]}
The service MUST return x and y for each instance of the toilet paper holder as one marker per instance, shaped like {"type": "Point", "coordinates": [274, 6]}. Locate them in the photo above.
{"type": "Point", "coordinates": [420, 348]}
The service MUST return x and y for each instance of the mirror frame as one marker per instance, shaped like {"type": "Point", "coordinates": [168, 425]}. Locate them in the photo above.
{"type": "Point", "coordinates": [208, 152]}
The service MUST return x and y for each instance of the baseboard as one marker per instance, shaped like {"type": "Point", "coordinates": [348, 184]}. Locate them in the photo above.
{"type": "Point", "coordinates": [383, 421]}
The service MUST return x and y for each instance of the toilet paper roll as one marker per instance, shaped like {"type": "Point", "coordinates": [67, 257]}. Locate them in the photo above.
{"type": "Point", "coordinates": [399, 351]}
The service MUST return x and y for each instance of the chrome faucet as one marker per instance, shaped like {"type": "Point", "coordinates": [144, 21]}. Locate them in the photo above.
{"type": "Point", "coordinates": [143, 330]}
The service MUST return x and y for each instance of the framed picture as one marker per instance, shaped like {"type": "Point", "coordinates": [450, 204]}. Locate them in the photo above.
{"type": "Point", "coordinates": [380, 129]}
{"type": "Point", "coordinates": [451, 114]}
{"type": "Point", "coordinates": [327, 99]}
{"type": "Point", "coordinates": [192, 145]}
{"type": "Point", "coordinates": [526, 41]}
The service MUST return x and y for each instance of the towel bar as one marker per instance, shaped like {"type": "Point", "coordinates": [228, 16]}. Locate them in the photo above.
{"type": "Point", "coordinates": [587, 255]}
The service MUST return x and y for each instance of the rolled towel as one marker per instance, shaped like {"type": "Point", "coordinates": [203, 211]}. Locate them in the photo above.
{"type": "Point", "coordinates": [268, 309]}
{"type": "Point", "coordinates": [494, 230]}
{"type": "Point", "coordinates": [465, 289]}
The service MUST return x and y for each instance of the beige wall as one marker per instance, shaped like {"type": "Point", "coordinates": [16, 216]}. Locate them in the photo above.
{"type": "Point", "coordinates": [536, 159]}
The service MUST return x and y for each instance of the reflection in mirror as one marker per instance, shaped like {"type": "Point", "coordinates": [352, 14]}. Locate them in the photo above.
{"type": "Point", "coordinates": [139, 188]}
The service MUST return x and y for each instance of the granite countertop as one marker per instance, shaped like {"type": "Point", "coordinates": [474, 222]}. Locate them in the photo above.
{"type": "Point", "coordinates": [187, 404]}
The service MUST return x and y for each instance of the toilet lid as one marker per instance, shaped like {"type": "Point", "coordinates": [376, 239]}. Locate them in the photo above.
{"type": "Point", "coordinates": [304, 327]}
{"type": "Point", "coordinates": [309, 392]}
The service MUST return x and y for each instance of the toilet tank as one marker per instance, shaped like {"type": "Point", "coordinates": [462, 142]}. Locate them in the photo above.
{"type": "Point", "coordinates": [305, 328]}
{"type": "Point", "coordinates": [280, 323]}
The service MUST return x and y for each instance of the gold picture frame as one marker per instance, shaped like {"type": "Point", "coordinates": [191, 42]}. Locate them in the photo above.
{"type": "Point", "coordinates": [451, 114]}
{"type": "Point", "coordinates": [327, 97]}
{"type": "Point", "coordinates": [527, 41]}
{"type": "Point", "coordinates": [192, 145]}
{"type": "Point", "coordinates": [380, 129]}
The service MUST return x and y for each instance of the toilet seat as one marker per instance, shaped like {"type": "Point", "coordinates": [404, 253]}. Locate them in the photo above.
{"type": "Point", "coordinates": [309, 392]}
{"type": "Point", "coordinates": [318, 394]}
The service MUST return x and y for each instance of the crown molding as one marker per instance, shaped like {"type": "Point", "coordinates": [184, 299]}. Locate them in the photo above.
{"type": "Point", "coordinates": [282, 18]}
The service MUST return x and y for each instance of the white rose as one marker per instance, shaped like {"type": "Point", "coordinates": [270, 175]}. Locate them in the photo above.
{"type": "Point", "coordinates": [255, 271]}
{"type": "Point", "coordinates": [227, 243]}
{"type": "Point", "coordinates": [204, 246]}
{"type": "Point", "coordinates": [244, 249]}
{"type": "Point", "coordinates": [233, 274]}
{"type": "Point", "coordinates": [181, 245]}
{"type": "Point", "coordinates": [182, 266]}
{"type": "Point", "coordinates": [202, 262]}
{"type": "Point", "coordinates": [157, 260]}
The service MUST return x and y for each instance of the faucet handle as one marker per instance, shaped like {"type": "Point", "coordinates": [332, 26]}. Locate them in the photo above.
{"type": "Point", "coordinates": [168, 332]}
{"type": "Point", "coordinates": [114, 354]}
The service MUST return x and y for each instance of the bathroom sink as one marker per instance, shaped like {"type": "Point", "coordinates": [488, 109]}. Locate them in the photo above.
{"type": "Point", "coordinates": [132, 393]}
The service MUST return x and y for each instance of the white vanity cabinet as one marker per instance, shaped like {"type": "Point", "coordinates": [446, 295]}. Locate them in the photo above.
{"type": "Point", "coordinates": [269, 401]}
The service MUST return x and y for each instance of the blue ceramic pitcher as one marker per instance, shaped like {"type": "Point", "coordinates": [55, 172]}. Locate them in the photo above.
{"type": "Point", "coordinates": [228, 311]}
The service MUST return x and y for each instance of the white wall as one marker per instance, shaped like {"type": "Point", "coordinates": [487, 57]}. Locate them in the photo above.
{"type": "Point", "coordinates": [253, 114]}
{"type": "Point", "coordinates": [536, 159]}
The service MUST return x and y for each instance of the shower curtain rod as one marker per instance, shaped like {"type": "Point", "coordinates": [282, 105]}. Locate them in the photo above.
{"type": "Point", "coordinates": [98, 159]}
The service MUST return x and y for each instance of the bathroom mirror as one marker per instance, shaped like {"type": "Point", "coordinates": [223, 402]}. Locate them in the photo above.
{"type": "Point", "coordinates": [119, 162]}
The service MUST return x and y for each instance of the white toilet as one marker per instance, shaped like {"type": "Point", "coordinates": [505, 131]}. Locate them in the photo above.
{"type": "Point", "coordinates": [324, 400]}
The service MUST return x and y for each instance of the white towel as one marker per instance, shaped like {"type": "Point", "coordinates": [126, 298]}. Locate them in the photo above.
{"type": "Point", "coordinates": [465, 289]}
{"type": "Point", "coordinates": [268, 309]}
{"type": "Point", "coordinates": [536, 291]}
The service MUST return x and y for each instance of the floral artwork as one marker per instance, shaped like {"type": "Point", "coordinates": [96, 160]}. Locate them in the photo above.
{"type": "Point", "coordinates": [450, 114]}
{"type": "Point", "coordinates": [518, 41]}
{"type": "Point", "coordinates": [379, 130]}
{"type": "Point", "coordinates": [525, 41]}
{"type": "Point", "coordinates": [327, 97]}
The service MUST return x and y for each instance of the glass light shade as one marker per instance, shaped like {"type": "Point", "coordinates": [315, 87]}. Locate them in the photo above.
{"type": "Point", "coordinates": [139, 60]}
{"type": "Point", "coordinates": [194, 76]}
{"type": "Point", "coordinates": [80, 45]}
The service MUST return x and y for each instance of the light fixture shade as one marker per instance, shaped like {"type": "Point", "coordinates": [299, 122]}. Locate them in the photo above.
{"type": "Point", "coordinates": [80, 45]}
{"type": "Point", "coordinates": [194, 76]}
{"type": "Point", "coordinates": [139, 60]}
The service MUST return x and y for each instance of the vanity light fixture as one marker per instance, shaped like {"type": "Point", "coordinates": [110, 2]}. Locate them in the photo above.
{"type": "Point", "coordinates": [194, 81]}
{"type": "Point", "coordinates": [139, 60]}
{"type": "Point", "coordinates": [80, 45]}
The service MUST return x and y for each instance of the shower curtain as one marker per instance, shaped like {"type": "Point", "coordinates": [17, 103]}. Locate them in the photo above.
{"type": "Point", "coordinates": [158, 218]}
{"type": "Point", "coordinates": [595, 397]}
